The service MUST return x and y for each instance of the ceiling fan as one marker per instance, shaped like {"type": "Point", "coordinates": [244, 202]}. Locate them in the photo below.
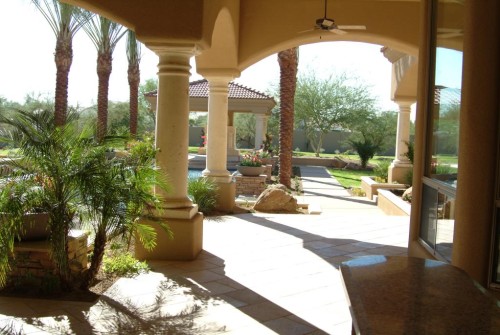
{"type": "Point", "coordinates": [328, 24]}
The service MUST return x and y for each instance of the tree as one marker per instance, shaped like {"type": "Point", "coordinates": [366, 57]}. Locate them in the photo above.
{"type": "Point", "coordinates": [149, 85]}
{"type": "Point", "coordinates": [105, 34]}
{"type": "Point", "coordinates": [245, 129]}
{"type": "Point", "coordinates": [288, 61]}
{"type": "Point", "coordinates": [134, 78]}
{"type": "Point", "coordinates": [325, 105]}
{"type": "Point", "coordinates": [65, 20]}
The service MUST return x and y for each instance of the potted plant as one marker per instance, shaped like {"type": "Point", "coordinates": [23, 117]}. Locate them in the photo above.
{"type": "Point", "coordinates": [251, 164]}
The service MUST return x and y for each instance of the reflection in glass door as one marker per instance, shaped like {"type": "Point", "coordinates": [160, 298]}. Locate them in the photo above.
{"type": "Point", "coordinates": [441, 165]}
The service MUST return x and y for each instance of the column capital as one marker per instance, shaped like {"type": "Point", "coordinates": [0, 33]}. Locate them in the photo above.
{"type": "Point", "coordinates": [219, 74]}
{"type": "Point", "coordinates": [162, 49]}
{"type": "Point", "coordinates": [404, 103]}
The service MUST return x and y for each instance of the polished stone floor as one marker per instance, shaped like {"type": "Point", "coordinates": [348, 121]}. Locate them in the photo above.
{"type": "Point", "coordinates": [258, 274]}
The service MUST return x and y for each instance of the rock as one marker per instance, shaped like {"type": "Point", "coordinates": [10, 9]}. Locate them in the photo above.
{"type": "Point", "coordinates": [407, 195]}
{"type": "Point", "coordinates": [276, 199]}
{"type": "Point", "coordinates": [338, 163]}
{"type": "Point", "coordinates": [352, 166]}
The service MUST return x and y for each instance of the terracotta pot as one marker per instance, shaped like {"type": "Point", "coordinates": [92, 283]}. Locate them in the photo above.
{"type": "Point", "coordinates": [251, 171]}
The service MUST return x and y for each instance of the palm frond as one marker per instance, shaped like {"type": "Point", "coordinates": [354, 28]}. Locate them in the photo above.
{"type": "Point", "coordinates": [64, 19]}
{"type": "Point", "coordinates": [104, 33]}
{"type": "Point", "coordinates": [133, 48]}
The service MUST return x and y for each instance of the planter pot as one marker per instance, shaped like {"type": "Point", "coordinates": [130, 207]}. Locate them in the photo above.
{"type": "Point", "coordinates": [251, 171]}
{"type": "Point", "coordinates": [35, 227]}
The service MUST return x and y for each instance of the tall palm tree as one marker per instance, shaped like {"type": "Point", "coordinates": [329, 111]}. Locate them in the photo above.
{"type": "Point", "coordinates": [134, 78]}
{"type": "Point", "coordinates": [288, 61]}
{"type": "Point", "coordinates": [105, 34]}
{"type": "Point", "coordinates": [65, 20]}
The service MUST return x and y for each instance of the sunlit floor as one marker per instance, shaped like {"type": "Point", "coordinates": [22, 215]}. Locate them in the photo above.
{"type": "Point", "coordinates": [258, 274]}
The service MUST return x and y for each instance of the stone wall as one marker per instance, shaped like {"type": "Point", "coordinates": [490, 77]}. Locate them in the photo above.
{"type": "Point", "coordinates": [250, 185]}
{"type": "Point", "coordinates": [33, 258]}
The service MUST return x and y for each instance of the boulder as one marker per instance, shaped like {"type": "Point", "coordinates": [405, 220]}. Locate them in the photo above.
{"type": "Point", "coordinates": [352, 166]}
{"type": "Point", "coordinates": [276, 199]}
{"type": "Point", "coordinates": [407, 195]}
{"type": "Point", "coordinates": [338, 163]}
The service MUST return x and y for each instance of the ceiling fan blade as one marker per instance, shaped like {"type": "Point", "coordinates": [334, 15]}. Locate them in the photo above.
{"type": "Point", "coordinates": [353, 27]}
{"type": "Point", "coordinates": [306, 31]}
{"type": "Point", "coordinates": [443, 32]}
{"type": "Point", "coordinates": [338, 31]}
{"type": "Point", "coordinates": [449, 35]}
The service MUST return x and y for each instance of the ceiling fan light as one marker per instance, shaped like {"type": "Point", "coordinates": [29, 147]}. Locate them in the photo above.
{"type": "Point", "coordinates": [325, 22]}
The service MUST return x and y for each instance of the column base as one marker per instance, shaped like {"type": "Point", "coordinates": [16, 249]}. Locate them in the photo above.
{"type": "Point", "coordinates": [225, 197]}
{"type": "Point", "coordinates": [219, 176]}
{"type": "Point", "coordinates": [185, 245]}
{"type": "Point", "coordinates": [400, 172]}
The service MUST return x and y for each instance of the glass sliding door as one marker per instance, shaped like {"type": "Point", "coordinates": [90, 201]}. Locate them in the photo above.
{"type": "Point", "coordinates": [443, 124]}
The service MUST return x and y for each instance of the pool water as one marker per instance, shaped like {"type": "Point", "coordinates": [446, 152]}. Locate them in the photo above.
{"type": "Point", "coordinates": [194, 173]}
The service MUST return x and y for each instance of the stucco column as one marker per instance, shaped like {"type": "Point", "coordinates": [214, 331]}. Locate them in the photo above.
{"type": "Point", "coordinates": [217, 129]}
{"type": "Point", "coordinates": [403, 133]}
{"type": "Point", "coordinates": [172, 132]}
{"type": "Point", "coordinates": [172, 124]}
{"type": "Point", "coordinates": [260, 129]}
{"type": "Point", "coordinates": [401, 165]}
{"type": "Point", "coordinates": [217, 137]}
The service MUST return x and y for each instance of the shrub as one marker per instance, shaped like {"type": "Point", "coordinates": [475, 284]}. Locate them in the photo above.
{"type": "Point", "coordinates": [203, 192]}
{"type": "Point", "coordinates": [410, 153]}
{"type": "Point", "coordinates": [381, 171]}
{"type": "Point", "coordinates": [365, 149]}
{"type": "Point", "coordinates": [123, 264]}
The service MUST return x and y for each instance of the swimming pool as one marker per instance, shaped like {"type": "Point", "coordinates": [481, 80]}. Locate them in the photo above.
{"type": "Point", "coordinates": [194, 173]}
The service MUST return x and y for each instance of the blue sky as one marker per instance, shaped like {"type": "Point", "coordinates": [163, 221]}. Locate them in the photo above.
{"type": "Point", "coordinates": [27, 65]}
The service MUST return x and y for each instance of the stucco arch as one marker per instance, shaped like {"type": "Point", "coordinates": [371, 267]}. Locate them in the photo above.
{"type": "Point", "coordinates": [223, 52]}
{"type": "Point", "coordinates": [317, 37]}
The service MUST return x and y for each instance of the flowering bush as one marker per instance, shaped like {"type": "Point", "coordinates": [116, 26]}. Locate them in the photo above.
{"type": "Point", "coordinates": [251, 159]}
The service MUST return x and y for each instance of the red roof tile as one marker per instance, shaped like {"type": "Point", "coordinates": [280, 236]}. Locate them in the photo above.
{"type": "Point", "coordinates": [199, 89]}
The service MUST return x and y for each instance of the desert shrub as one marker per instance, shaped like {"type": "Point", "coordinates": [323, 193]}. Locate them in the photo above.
{"type": "Point", "coordinates": [410, 153]}
{"type": "Point", "coordinates": [203, 192]}
{"type": "Point", "coordinates": [366, 149]}
{"type": "Point", "coordinates": [381, 171]}
{"type": "Point", "coordinates": [357, 192]}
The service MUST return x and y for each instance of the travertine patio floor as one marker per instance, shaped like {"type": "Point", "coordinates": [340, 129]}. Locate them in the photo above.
{"type": "Point", "coordinates": [258, 274]}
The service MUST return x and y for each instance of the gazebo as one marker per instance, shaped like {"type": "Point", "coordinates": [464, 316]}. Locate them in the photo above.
{"type": "Point", "coordinates": [241, 99]}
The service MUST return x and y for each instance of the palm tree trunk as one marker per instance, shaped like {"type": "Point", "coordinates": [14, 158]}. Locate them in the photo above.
{"type": "Point", "coordinates": [63, 58]}
{"type": "Point", "coordinates": [288, 61]}
{"type": "Point", "coordinates": [104, 67]}
{"type": "Point", "coordinates": [97, 256]}
{"type": "Point", "coordinates": [133, 81]}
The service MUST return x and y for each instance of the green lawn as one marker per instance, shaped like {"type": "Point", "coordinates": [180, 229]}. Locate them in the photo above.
{"type": "Point", "coordinates": [349, 178]}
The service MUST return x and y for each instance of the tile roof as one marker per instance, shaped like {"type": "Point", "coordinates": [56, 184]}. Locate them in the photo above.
{"type": "Point", "coordinates": [446, 95]}
{"type": "Point", "coordinates": [199, 89]}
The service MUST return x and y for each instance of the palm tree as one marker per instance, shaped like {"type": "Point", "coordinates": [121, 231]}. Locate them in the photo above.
{"type": "Point", "coordinates": [51, 160]}
{"type": "Point", "coordinates": [63, 172]}
{"type": "Point", "coordinates": [65, 20]}
{"type": "Point", "coordinates": [116, 195]}
{"type": "Point", "coordinates": [288, 61]}
{"type": "Point", "coordinates": [105, 34]}
{"type": "Point", "coordinates": [134, 78]}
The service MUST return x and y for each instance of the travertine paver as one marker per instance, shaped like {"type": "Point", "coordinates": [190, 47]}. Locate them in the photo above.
{"type": "Point", "coordinates": [258, 274]}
